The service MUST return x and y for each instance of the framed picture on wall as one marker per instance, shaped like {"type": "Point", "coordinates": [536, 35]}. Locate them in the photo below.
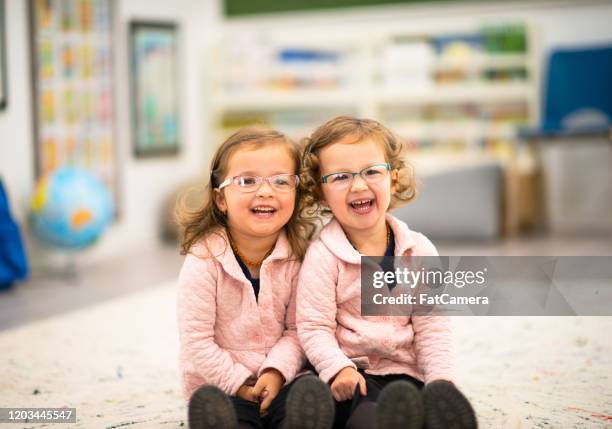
{"type": "Point", "coordinates": [3, 45]}
{"type": "Point", "coordinates": [154, 88]}
{"type": "Point", "coordinates": [72, 47]}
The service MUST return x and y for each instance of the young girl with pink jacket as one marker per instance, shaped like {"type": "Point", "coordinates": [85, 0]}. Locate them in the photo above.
{"type": "Point", "coordinates": [385, 372]}
{"type": "Point", "coordinates": [239, 351]}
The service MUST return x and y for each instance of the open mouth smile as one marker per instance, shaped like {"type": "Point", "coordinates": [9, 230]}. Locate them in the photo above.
{"type": "Point", "coordinates": [362, 206]}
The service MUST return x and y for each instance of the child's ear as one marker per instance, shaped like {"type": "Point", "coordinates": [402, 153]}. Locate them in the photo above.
{"type": "Point", "coordinates": [394, 180]}
{"type": "Point", "coordinates": [220, 201]}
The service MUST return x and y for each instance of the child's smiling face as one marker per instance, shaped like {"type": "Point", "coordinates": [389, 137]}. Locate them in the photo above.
{"type": "Point", "coordinates": [264, 212]}
{"type": "Point", "coordinates": [361, 206]}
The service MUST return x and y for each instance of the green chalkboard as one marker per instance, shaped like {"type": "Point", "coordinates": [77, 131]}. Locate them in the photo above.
{"type": "Point", "coordinates": [251, 7]}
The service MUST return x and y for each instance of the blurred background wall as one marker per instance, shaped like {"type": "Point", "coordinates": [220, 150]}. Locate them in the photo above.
{"type": "Point", "coordinates": [209, 42]}
{"type": "Point", "coordinates": [143, 184]}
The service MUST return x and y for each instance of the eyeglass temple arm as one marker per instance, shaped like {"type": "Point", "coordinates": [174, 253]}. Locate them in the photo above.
{"type": "Point", "coordinates": [225, 183]}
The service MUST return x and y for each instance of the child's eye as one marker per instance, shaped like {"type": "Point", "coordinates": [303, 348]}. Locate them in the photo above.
{"type": "Point", "coordinates": [247, 181]}
{"type": "Point", "coordinates": [339, 177]}
{"type": "Point", "coordinates": [373, 171]}
{"type": "Point", "coordinates": [281, 181]}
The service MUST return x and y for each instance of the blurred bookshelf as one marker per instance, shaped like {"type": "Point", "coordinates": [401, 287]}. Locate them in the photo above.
{"type": "Point", "coordinates": [464, 89]}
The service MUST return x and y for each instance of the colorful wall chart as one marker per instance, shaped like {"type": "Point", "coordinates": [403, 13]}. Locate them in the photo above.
{"type": "Point", "coordinates": [72, 51]}
{"type": "Point", "coordinates": [154, 84]}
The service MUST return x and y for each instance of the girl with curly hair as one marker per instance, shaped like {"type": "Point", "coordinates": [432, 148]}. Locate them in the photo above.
{"type": "Point", "coordinates": [384, 372]}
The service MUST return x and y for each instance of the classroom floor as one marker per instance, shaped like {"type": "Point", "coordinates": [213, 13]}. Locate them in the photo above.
{"type": "Point", "coordinates": [105, 342]}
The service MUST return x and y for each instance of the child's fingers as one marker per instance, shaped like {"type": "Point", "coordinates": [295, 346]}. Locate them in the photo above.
{"type": "Point", "coordinates": [362, 386]}
{"type": "Point", "coordinates": [346, 393]}
{"type": "Point", "coordinates": [247, 394]}
{"type": "Point", "coordinates": [263, 408]}
{"type": "Point", "coordinates": [258, 388]}
{"type": "Point", "coordinates": [344, 388]}
{"type": "Point", "coordinates": [347, 390]}
{"type": "Point", "coordinates": [254, 397]}
{"type": "Point", "coordinates": [338, 393]}
{"type": "Point", "coordinates": [334, 392]}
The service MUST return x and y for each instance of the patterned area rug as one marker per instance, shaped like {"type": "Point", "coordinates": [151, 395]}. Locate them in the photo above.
{"type": "Point", "coordinates": [116, 363]}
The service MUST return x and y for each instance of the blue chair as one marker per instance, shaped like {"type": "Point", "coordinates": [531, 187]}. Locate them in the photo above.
{"type": "Point", "coordinates": [578, 94]}
{"type": "Point", "coordinates": [573, 141]}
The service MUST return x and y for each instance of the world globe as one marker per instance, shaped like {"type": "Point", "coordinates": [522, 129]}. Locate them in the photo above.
{"type": "Point", "coordinates": [71, 208]}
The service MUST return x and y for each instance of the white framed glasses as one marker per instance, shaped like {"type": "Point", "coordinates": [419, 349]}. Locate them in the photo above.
{"type": "Point", "coordinates": [278, 182]}
{"type": "Point", "coordinates": [372, 174]}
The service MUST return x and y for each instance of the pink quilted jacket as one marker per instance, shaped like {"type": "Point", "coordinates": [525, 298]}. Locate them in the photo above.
{"type": "Point", "coordinates": [226, 336]}
{"type": "Point", "coordinates": [335, 335]}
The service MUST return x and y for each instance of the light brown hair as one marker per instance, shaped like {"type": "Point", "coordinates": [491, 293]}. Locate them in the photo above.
{"type": "Point", "coordinates": [340, 128]}
{"type": "Point", "coordinates": [198, 223]}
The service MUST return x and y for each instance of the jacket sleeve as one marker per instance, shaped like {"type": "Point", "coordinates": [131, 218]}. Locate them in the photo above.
{"type": "Point", "coordinates": [316, 313]}
{"type": "Point", "coordinates": [287, 355]}
{"type": "Point", "coordinates": [196, 311]}
{"type": "Point", "coordinates": [432, 335]}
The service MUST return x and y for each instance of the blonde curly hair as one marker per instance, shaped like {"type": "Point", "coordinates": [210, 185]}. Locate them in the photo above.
{"type": "Point", "coordinates": [337, 129]}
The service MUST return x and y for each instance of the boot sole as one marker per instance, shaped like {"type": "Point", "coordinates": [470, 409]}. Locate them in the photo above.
{"type": "Point", "coordinates": [447, 408]}
{"type": "Point", "coordinates": [400, 406]}
{"type": "Point", "coordinates": [310, 405]}
{"type": "Point", "coordinates": [210, 408]}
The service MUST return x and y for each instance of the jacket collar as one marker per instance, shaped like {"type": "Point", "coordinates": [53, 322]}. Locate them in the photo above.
{"type": "Point", "coordinates": [337, 242]}
{"type": "Point", "coordinates": [220, 249]}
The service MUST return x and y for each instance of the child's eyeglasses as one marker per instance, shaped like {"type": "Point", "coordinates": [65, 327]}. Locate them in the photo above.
{"type": "Point", "coordinates": [343, 179]}
{"type": "Point", "coordinates": [278, 182]}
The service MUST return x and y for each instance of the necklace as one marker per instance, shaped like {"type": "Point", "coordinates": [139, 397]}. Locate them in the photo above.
{"type": "Point", "coordinates": [243, 258]}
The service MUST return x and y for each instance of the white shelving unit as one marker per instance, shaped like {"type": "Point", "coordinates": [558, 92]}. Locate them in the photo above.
{"type": "Point", "coordinates": [266, 74]}
{"type": "Point", "coordinates": [357, 75]}
{"type": "Point", "coordinates": [468, 93]}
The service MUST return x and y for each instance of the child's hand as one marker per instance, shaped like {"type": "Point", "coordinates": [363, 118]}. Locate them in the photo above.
{"type": "Point", "coordinates": [345, 382]}
{"type": "Point", "coordinates": [267, 387]}
{"type": "Point", "coordinates": [246, 392]}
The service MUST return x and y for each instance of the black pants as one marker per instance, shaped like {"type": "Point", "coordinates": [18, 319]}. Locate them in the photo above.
{"type": "Point", "coordinates": [374, 385]}
{"type": "Point", "coordinates": [248, 412]}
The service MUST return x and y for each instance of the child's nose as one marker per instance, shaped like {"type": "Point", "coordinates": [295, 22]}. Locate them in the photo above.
{"type": "Point", "coordinates": [265, 189]}
{"type": "Point", "coordinates": [359, 184]}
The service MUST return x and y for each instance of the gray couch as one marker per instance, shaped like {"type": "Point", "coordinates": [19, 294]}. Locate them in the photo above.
{"type": "Point", "coordinates": [462, 203]}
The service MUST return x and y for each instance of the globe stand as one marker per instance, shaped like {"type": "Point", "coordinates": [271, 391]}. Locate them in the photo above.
{"type": "Point", "coordinates": [58, 264]}
{"type": "Point", "coordinates": [64, 264]}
